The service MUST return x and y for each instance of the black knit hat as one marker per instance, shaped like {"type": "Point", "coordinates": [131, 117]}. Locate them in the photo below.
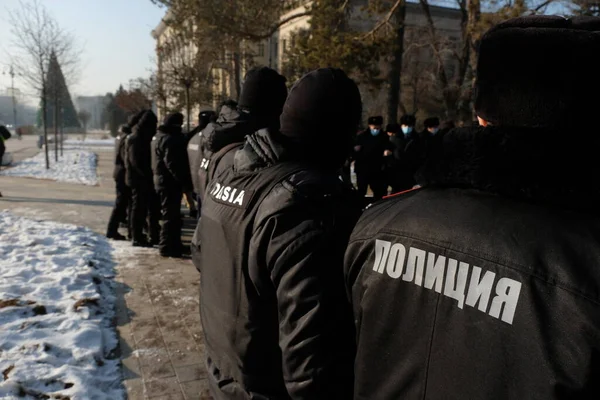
{"type": "Point", "coordinates": [175, 119]}
{"type": "Point", "coordinates": [392, 128]}
{"type": "Point", "coordinates": [431, 122]}
{"type": "Point", "coordinates": [408, 119]}
{"type": "Point", "coordinates": [539, 71]}
{"type": "Point", "coordinates": [322, 113]}
{"type": "Point", "coordinates": [378, 120]}
{"type": "Point", "coordinates": [263, 92]}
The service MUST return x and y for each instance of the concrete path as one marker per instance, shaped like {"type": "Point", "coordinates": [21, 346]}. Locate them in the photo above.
{"type": "Point", "coordinates": [157, 311]}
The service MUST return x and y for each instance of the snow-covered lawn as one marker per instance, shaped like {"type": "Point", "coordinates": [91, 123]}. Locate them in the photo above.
{"type": "Point", "coordinates": [75, 166]}
{"type": "Point", "coordinates": [56, 312]}
{"type": "Point", "coordinates": [90, 142]}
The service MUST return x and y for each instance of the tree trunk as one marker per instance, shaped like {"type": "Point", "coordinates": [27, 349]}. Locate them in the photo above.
{"type": "Point", "coordinates": [188, 105]}
{"type": "Point", "coordinates": [237, 73]}
{"type": "Point", "coordinates": [62, 132]}
{"type": "Point", "coordinates": [55, 122]}
{"type": "Point", "coordinates": [395, 74]}
{"type": "Point", "coordinates": [45, 122]}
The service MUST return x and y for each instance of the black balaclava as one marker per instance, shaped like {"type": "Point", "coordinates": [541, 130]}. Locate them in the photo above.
{"type": "Point", "coordinates": [321, 115]}
{"type": "Point", "coordinates": [263, 95]}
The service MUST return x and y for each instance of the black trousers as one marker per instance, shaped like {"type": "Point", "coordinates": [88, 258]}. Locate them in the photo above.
{"type": "Point", "coordinates": [170, 215]}
{"type": "Point", "coordinates": [145, 213]}
{"type": "Point", "coordinates": [120, 210]}
{"type": "Point", "coordinates": [376, 180]}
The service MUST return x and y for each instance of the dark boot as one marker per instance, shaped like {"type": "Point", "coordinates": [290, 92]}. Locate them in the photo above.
{"type": "Point", "coordinates": [116, 236]}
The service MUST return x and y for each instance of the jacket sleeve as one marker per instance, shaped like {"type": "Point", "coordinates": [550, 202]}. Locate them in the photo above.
{"type": "Point", "coordinates": [303, 253]}
{"type": "Point", "coordinates": [133, 157]}
{"type": "Point", "coordinates": [177, 163]}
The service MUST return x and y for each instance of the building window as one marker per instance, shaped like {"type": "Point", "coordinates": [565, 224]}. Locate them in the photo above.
{"type": "Point", "coordinates": [284, 46]}
{"type": "Point", "coordinates": [261, 50]}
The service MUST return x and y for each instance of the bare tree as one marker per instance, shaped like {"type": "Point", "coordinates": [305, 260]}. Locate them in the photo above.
{"type": "Point", "coordinates": [184, 67]}
{"type": "Point", "coordinates": [35, 37]}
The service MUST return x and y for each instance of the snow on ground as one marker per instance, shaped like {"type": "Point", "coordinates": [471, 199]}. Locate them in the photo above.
{"type": "Point", "coordinates": [56, 312]}
{"type": "Point", "coordinates": [90, 142]}
{"type": "Point", "coordinates": [75, 166]}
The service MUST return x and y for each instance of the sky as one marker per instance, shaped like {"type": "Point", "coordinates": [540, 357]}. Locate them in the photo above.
{"type": "Point", "coordinates": [115, 36]}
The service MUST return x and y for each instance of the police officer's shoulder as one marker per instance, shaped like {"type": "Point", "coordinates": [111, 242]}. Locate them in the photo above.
{"type": "Point", "coordinates": [380, 210]}
{"type": "Point", "coordinates": [400, 196]}
{"type": "Point", "coordinates": [312, 184]}
{"type": "Point", "coordinates": [302, 187]}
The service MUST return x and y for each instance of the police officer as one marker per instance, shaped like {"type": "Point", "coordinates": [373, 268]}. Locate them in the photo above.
{"type": "Point", "coordinates": [123, 200]}
{"type": "Point", "coordinates": [399, 175]}
{"type": "Point", "coordinates": [145, 206]}
{"type": "Point", "coordinates": [369, 163]}
{"type": "Point", "coordinates": [275, 222]}
{"type": "Point", "coordinates": [260, 104]}
{"type": "Point", "coordinates": [204, 118]}
{"type": "Point", "coordinates": [171, 179]}
{"type": "Point", "coordinates": [195, 143]}
{"type": "Point", "coordinates": [484, 284]}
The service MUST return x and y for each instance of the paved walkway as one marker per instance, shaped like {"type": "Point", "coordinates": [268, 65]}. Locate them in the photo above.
{"type": "Point", "coordinates": [157, 311]}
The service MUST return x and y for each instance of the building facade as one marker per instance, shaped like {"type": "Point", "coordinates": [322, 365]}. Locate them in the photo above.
{"type": "Point", "coordinates": [272, 53]}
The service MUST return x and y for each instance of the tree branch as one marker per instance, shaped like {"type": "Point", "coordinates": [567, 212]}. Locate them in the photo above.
{"type": "Point", "coordinates": [384, 21]}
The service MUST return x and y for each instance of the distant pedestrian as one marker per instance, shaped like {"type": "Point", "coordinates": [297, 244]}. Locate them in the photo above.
{"type": "Point", "coordinates": [123, 200]}
{"type": "Point", "coordinates": [171, 179]}
{"type": "Point", "coordinates": [4, 136]}
{"type": "Point", "coordinates": [145, 209]}
{"type": "Point", "coordinates": [369, 150]}
{"type": "Point", "coordinates": [398, 173]}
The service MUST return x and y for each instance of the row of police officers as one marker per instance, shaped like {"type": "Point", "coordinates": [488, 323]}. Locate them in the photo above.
{"type": "Point", "coordinates": [481, 282]}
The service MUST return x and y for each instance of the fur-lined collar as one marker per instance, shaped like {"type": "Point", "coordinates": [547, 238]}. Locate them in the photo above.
{"type": "Point", "coordinates": [538, 165]}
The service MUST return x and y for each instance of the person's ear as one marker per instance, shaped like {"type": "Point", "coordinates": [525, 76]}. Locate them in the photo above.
{"type": "Point", "coordinates": [482, 122]}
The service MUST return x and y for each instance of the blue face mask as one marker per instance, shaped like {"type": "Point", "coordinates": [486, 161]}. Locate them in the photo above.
{"type": "Point", "coordinates": [375, 132]}
{"type": "Point", "coordinates": [407, 130]}
{"type": "Point", "coordinates": [435, 130]}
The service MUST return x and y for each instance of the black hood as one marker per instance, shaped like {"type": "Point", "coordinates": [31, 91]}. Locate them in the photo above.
{"type": "Point", "coordinates": [536, 165]}
{"type": "Point", "coordinates": [231, 126]}
{"type": "Point", "coordinates": [135, 118]}
{"type": "Point", "coordinates": [146, 127]}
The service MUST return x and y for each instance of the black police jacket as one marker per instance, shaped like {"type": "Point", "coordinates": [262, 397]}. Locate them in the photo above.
{"type": "Point", "coordinates": [120, 140]}
{"type": "Point", "coordinates": [170, 164]}
{"type": "Point", "coordinates": [193, 148]}
{"type": "Point", "coordinates": [269, 247]}
{"type": "Point", "coordinates": [485, 283]}
{"type": "Point", "coordinates": [138, 161]}
{"type": "Point", "coordinates": [369, 152]}
{"type": "Point", "coordinates": [231, 126]}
